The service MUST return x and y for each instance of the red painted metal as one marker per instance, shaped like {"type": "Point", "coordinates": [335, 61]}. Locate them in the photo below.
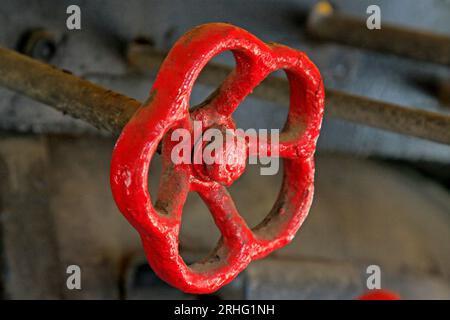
{"type": "Point", "coordinates": [379, 295]}
{"type": "Point", "coordinates": [168, 108]}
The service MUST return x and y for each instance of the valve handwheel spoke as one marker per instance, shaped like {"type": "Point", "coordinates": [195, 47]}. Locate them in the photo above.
{"type": "Point", "coordinates": [167, 109]}
{"type": "Point", "coordinates": [231, 225]}
{"type": "Point", "coordinates": [173, 191]}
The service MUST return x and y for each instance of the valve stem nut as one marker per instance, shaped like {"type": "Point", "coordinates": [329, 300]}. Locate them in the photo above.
{"type": "Point", "coordinates": [228, 160]}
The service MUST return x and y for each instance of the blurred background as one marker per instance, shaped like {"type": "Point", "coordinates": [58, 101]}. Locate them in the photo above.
{"type": "Point", "coordinates": [381, 198]}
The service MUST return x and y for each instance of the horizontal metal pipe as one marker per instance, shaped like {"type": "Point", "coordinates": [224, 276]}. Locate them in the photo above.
{"type": "Point", "coordinates": [419, 123]}
{"type": "Point", "coordinates": [65, 92]}
{"type": "Point", "coordinates": [325, 23]}
{"type": "Point", "coordinates": [109, 110]}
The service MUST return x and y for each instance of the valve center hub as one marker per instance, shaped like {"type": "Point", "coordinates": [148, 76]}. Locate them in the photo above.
{"type": "Point", "coordinates": [227, 160]}
{"type": "Point", "coordinates": [220, 155]}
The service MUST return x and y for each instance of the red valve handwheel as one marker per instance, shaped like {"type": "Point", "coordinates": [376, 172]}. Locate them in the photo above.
{"type": "Point", "coordinates": [168, 108]}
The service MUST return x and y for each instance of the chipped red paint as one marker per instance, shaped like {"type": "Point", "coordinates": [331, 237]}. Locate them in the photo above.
{"type": "Point", "coordinates": [379, 295]}
{"type": "Point", "coordinates": [168, 108]}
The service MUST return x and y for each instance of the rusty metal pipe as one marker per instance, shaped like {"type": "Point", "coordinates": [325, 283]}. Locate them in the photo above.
{"type": "Point", "coordinates": [65, 92]}
{"type": "Point", "coordinates": [419, 123]}
{"type": "Point", "coordinates": [109, 110]}
{"type": "Point", "coordinates": [325, 23]}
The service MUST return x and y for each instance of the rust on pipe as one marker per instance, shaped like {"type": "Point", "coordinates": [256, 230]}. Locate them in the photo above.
{"type": "Point", "coordinates": [420, 123]}
{"type": "Point", "coordinates": [326, 23]}
{"type": "Point", "coordinates": [65, 92]}
{"type": "Point", "coordinates": [108, 110]}
{"type": "Point", "coordinates": [415, 122]}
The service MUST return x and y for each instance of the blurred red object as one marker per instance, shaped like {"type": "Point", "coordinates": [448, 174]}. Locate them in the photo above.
{"type": "Point", "coordinates": [379, 295]}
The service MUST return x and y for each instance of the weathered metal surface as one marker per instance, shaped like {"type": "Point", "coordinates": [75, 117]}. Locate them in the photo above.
{"type": "Point", "coordinates": [327, 260]}
{"type": "Point", "coordinates": [168, 108]}
{"type": "Point", "coordinates": [90, 231]}
{"type": "Point", "coordinates": [308, 278]}
{"type": "Point", "coordinates": [80, 98]}
{"type": "Point", "coordinates": [28, 244]}
{"type": "Point", "coordinates": [325, 23]}
{"type": "Point", "coordinates": [410, 121]}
